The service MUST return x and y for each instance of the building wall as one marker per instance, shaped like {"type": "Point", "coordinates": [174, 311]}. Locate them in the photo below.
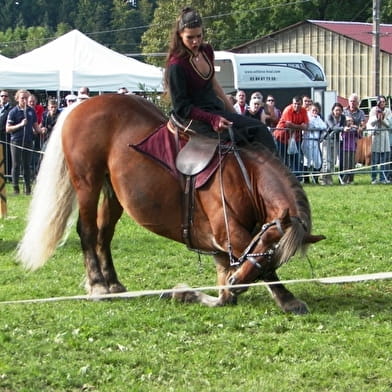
{"type": "Point", "coordinates": [348, 64]}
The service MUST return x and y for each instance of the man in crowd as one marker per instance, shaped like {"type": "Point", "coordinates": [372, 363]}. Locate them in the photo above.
{"type": "Point", "coordinates": [5, 138]}
{"type": "Point", "coordinates": [288, 134]}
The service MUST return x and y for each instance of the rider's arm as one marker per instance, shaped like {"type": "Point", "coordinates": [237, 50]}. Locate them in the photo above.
{"type": "Point", "coordinates": [182, 104]}
{"type": "Point", "coordinates": [221, 95]}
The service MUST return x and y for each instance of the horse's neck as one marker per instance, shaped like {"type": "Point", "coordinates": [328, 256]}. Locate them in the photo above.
{"type": "Point", "coordinates": [274, 186]}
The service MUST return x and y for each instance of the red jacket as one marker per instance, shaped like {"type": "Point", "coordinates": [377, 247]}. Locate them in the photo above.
{"type": "Point", "coordinates": [283, 135]}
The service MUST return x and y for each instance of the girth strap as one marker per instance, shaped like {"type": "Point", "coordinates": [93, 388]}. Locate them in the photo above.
{"type": "Point", "coordinates": [187, 207]}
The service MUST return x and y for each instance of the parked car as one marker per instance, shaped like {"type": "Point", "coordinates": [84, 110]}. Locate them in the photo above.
{"type": "Point", "coordinates": [367, 103]}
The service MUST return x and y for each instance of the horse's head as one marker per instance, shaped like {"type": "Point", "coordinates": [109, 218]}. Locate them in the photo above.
{"type": "Point", "coordinates": [272, 246]}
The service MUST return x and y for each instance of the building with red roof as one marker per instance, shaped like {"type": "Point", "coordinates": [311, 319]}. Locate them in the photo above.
{"type": "Point", "coordinates": [344, 49]}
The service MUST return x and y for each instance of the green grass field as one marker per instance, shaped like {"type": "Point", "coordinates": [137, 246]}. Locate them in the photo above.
{"type": "Point", "coordinates": [149, 344]}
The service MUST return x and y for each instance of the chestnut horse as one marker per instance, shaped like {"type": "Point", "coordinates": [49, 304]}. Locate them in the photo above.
{"type": "Point", "coordinates": [89, 163]}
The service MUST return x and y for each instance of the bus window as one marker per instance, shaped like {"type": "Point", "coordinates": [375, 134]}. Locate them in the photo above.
{"type": "Point", "coordinates": [315, 71]}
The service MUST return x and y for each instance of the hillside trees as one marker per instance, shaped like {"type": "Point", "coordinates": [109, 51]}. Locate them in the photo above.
{"type": "Point", "coordinates": [232, 23]}
{"type": "Point", "coordinates": [118, 24]}
{"type": "Point", "coordinates": [145, 25]}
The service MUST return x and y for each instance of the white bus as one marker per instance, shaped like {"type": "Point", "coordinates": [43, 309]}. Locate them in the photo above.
{"type": "Point", "coordinates": [284, 75]}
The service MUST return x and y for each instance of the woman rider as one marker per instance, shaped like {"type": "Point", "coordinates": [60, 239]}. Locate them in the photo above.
{"type": "Point", "coordinates": [196, 94]}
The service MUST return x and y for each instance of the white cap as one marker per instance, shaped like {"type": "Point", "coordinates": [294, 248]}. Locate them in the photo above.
{"type": "Point", "coordinates": [71, 97]}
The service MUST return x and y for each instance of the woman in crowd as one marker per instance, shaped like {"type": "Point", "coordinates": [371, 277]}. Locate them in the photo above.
{"type": "Point", "coordinates": [255, 110]}
{"type": "Point", "coordinates": [22, 125]}
{"type": "Point", "coordinates": [49, 120]}
{"type": "Point", "coordinates": [380, 119]}
{"type": "Point", "coordinates": [271, 114]}
{"type": "Point", "coordinates": [311, 141]}
{"type": "Point", "coordinates": [335, 121]}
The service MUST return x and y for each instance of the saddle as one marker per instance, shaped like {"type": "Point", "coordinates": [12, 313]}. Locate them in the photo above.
{"type": "Point", "coordinates": [193, 156]}
{"type": "Point", "coordinates": [197, 153]}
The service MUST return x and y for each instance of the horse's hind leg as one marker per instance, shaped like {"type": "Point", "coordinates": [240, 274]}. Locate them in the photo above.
{"type": "Point", "coordinates": [88, 233]}
{"type": "Point", "coordinates": [284, 298]}
{"type": "Point", "coordinates": [109, 213]}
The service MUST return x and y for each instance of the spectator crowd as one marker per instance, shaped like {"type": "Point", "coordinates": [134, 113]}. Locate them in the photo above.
{"type": "Point", "coordinates": [316, 148]}
{"type": "Point", "coordinates": [313, 147]}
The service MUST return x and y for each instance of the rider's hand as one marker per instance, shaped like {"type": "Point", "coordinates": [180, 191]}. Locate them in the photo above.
{"type": "Point", "coordinates": [217, 122]}
{"type": "Point", "coordinates": [220, 124]}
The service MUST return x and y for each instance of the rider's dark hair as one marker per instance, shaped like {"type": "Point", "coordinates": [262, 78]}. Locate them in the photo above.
{"type": "Point", "coordinates": [189, 18]}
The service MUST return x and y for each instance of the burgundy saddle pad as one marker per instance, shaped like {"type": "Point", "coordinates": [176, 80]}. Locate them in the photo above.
{"type": "Point", "coordinates": [161, 146]}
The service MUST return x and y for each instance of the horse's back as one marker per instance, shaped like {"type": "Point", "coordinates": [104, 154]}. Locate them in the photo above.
{"type": "Point", "coordinates": [98, 121]}
{"type": "Point", "coordinates": [97, 139]}
{"type": "Point", "coordinates": [98, 133]}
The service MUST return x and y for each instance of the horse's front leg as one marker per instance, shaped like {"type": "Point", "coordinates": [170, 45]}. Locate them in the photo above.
{"type": "Point", "coordinates": [283, 297]}
{"type": "Point", "coordinates": [224, 271]}
{"type": "Point", "coordinates": [184, 294]}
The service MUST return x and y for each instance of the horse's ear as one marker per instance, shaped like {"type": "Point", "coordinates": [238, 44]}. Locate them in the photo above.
{"type": "Point", "coordinates": [285, 217]}
{"type": "Point", "coordinates": [311, 239]}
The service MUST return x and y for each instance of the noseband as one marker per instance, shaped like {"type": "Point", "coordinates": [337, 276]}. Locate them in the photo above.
{"type": "Point", "coordinates": [269, 254]}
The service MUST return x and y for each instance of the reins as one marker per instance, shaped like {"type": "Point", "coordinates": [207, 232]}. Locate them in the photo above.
{"type": "Point", "coordinates": [245, 175]}
{"type": "Point", "coordinates": [222, 192]}
{"type": "Point", "coordinates": [188, 187]}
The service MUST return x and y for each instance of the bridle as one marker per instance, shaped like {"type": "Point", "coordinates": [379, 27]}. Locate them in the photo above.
{"type": "Point", "coordinates": [268, 255]}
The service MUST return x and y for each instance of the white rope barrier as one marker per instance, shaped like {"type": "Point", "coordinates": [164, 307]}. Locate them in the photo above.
{"type": "Point", "coordinates": [23, 148]}
{"type": "Point", "coordinates": [144, 293]}
{"type": "Point", "coordinates": [135, 294]}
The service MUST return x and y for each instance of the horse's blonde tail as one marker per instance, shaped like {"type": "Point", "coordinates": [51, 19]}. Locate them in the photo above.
{"type": "Point", "coordinates": [51, 206]}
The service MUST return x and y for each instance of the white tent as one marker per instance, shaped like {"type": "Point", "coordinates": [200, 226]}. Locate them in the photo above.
{"type": "Point", "coordinates": [82, 61]}
{"type": "Point", "coordinates": [19, 75]}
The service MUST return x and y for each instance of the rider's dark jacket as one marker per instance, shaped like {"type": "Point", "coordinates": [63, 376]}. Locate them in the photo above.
{"type": "Point", "coordinates": [190, 88]}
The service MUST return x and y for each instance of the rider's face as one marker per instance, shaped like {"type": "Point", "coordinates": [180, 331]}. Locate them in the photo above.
{"type": "Point", "coordinates": [192, 38]}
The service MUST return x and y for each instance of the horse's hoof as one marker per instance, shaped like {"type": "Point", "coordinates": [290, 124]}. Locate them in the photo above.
{"type": "Point", "coordinates": [296, 307]}
{"type": "Point", "coordinates": [117, 288]}
{"type": "Point", "coordinates": [166, 295]}
{"type": "Point", "coordinates": [187, 296]}
{"type": "Point", "coordinates": [181, 296]}
{"type": "Point", "coordinates": [233, 300]}
{"type": "Point", "coordinates": [98, 290]}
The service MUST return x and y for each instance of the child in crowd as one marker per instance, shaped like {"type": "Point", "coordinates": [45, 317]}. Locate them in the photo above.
{"type": "Point", "coordinates": [350, 136]}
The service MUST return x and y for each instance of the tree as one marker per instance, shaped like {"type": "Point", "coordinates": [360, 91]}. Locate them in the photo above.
{"type": "Point", "coordinates": [129, 23]}
{"type": "Point", "coordinates": [145, 25]}
{"type": "Point", "coordinates": [35, 37]}
{"type": "Point", "coordinates": [156, 38]}
{"type": "Point", "coordinates": [231, 23]}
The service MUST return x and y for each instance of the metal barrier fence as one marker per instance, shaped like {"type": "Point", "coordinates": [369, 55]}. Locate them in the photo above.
{"type": "Point", "coordinates": [320, 157]}
{"type": "Point", "coordinates": [35, 159]}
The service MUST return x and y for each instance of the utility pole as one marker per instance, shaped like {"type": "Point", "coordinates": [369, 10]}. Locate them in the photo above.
{"type": "Point", "coordinates": [376, 47]}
